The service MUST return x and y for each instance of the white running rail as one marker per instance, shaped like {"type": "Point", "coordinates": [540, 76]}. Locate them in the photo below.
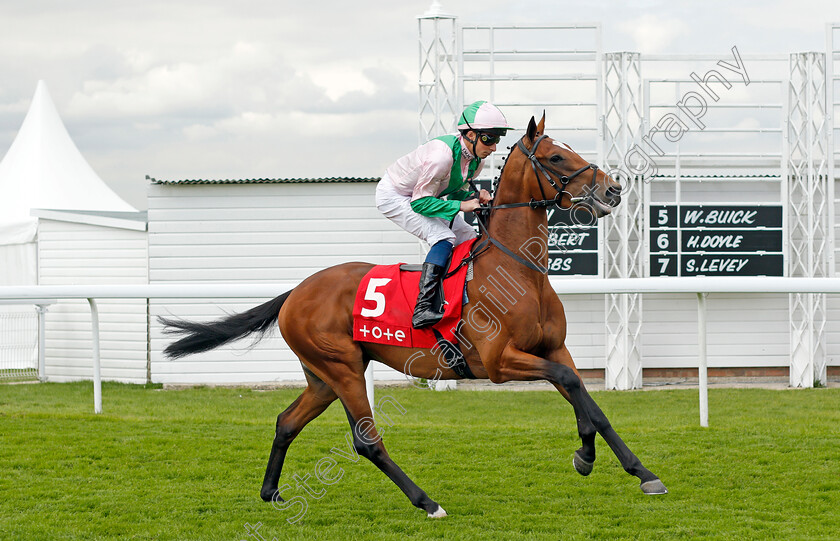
{"type": "Point", "coordinates": [701, 286]}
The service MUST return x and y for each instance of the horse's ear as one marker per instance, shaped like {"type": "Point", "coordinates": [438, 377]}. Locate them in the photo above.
{"type": "Point", "coordinates": [532, 130]}
{"type": "Point", "coordinates": [541, 125]}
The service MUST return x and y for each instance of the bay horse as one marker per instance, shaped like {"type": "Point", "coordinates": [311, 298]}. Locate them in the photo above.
{"type": "Point", "coordinates": [523, 341]}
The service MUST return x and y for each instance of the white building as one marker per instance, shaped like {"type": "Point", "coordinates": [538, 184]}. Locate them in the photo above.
{"type": "Point", "coordinates": [257, 231]}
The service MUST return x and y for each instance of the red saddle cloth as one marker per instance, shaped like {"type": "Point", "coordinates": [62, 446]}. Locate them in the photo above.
{"type": "Point", "coordinates": [385, 303]}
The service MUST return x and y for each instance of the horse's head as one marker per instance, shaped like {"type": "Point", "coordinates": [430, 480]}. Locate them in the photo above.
{"type": "Point", "coordinates": [557, 171]}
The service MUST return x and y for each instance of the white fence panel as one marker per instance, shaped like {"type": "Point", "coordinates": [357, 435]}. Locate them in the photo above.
{"type": "Point", "coordinates": [18, 343]}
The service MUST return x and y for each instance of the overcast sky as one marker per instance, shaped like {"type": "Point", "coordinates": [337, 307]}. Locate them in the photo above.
{"type": "Point", "coordinates": [274, 89]}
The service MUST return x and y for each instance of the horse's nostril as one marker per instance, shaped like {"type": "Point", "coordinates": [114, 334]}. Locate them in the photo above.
{"type": "Point", "coordinates": [613, 191]}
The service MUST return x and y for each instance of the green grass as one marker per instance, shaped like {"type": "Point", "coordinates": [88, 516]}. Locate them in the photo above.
{"type": "Point", "coordinates": [188, 464]}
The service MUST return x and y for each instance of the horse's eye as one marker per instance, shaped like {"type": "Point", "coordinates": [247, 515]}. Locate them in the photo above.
{"type": "Point", "coordinates": [556, 158]}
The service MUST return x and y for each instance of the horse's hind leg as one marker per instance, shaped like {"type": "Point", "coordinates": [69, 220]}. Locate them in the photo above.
{"type": "Point", "coordinates": [368, 443]}
{"type": "Point", "coordinates": [315, 399]}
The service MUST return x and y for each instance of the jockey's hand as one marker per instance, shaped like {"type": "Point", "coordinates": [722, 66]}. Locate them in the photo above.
{"type": "Point", "coordinates": [470, 205]}
{"type": "Point", "coordinates": [484, 197]}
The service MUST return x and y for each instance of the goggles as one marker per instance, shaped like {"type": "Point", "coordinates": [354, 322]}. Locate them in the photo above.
{"type": "Point", "coordinates": [489, 140]}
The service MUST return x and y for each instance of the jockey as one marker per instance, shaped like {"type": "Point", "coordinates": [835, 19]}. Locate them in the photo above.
{"type": "Point", "coordinates": [412, 189]}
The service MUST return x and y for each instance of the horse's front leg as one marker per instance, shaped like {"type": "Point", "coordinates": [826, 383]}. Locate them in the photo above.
{"type": "Point", "coordinates": [517, 365]}
{"type": "Point", "coordinates": [584, 458]}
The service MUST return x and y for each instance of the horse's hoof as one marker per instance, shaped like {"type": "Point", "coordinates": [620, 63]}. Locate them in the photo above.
{"type": "Point", "coordinates": [440, 513]}
{"type": "Point", "coordinates": [271, 496]}
{"type": "Point", "coordinates": [654, 486]}
{"type": "Point", "coordinates": [583, 467]}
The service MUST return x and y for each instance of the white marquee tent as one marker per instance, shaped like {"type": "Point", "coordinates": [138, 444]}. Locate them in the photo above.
{"type": "Point", "coordinates": [43, 169]}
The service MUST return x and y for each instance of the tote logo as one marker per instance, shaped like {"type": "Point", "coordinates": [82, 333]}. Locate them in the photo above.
{"type": "Point", "coordinates": [369, 331]}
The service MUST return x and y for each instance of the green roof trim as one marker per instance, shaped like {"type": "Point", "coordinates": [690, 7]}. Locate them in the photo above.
{"type": "Point", "coordinates": [266, 180]}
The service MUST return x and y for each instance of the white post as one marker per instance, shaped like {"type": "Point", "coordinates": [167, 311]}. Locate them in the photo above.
{"type": "Point", "coordinates": [97, 376]}
{"type": "Point", "coordinates": [42, 327]}
{"type": "Point", "coordinates": [369, 385]}
{"type": "Point", "coordinates": [702, 365]}
{"type": "Point", "coordinates": [445, 385]}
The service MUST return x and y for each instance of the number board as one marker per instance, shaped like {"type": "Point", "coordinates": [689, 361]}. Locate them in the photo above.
{"type": "Point", "coordinates": [572, 240]}
{"type": "Point", "coordinates": [716, 240]}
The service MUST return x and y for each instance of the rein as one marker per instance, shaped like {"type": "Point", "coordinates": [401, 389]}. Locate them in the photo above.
{"type": "Point", "coordinates": [483, 213]}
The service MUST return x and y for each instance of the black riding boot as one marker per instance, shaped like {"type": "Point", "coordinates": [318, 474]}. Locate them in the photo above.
{"type": "Point", "coordinates": [429, 309]}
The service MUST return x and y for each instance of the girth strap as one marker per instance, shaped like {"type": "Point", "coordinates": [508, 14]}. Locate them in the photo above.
{"type": "Point", "coordinates": [453, 356]}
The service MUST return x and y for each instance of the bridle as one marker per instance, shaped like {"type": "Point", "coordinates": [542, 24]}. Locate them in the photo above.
{"type": "Point", "coordinates": [539, 168]}
{"type": "Point", "coordinates": [541, 171]}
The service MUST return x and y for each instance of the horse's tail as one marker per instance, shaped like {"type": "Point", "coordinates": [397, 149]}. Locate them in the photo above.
{"type": "Point", "coordinates": [200, 337]}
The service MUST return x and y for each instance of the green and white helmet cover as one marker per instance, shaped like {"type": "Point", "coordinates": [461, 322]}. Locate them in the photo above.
{"type": "Point", "coordinates": [483, 116]}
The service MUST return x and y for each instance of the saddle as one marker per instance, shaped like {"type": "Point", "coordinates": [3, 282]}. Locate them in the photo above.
{"type": "Point", "coordinates": [385, 303]}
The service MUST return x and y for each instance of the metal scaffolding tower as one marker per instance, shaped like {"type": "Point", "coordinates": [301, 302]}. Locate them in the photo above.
{"type": "Point", "coordinates": [624, 232]}
{"type": "Point", "coordinates": [439, 103]}
{"type": "Point", "coordinates": [809, 207]}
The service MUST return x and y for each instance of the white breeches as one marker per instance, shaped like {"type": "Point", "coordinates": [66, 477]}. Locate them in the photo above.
{"type": "Point", "coordinates": [397, 208]}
